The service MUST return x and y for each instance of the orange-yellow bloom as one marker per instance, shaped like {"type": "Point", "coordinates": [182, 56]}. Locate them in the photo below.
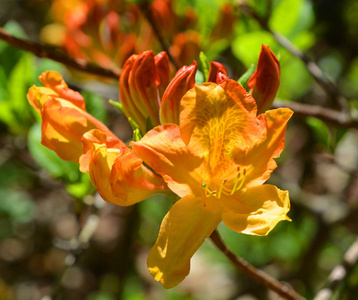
{"type": "Point", "coordinates": [64, 116]}
{"type": "Point", "coordinates": [116, 172]}
{"type": "Point", "coordinates": [264, 83]}
{"type": "Point", "coordinates": [217, 161]}
{"type": "Point", "coordinates": [147, 96]}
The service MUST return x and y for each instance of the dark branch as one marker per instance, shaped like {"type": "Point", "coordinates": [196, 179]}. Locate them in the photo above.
{"type": "Point", "coordinates": [56, 55]}
{"type": "Point", "coordinates": [325, 114]}
{"type": "Point", "coordinates": [149, 17]}
{"type": "Point", "coordinates": [255, 274]}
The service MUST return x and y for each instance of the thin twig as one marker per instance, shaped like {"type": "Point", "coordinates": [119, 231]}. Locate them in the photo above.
{"type": "Point", "coordinates": [146, 11]}
{"type": "Point", "coordinates": [334, 117]}
{"type": "Point", "coordinates": [255, 274]}
{"type": "Point", "coordinates": [340, 273]}
{"type": "Point", "coordinates": [312, 67]}
{"type": "Point", "coordinates": [56, 55]}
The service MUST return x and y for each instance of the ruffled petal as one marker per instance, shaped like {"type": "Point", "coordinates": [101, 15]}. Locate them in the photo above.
{"type": "Point", "coordinates": [258, 160]}
{"type": "Point", "coordinates": [132, 182]}
{"type": "Point", "coordinates": [216, 119]}
{"type": "Point", "coordinates": [182, 232]}
{"type": "Point", "coordinates": [256, 211]}
{"type": "Point", "coordinates": [63, 125]}
{"type": "Point", "coordinates": [164, 151]}
{"type": "Point", "coordinates": [117, 173]}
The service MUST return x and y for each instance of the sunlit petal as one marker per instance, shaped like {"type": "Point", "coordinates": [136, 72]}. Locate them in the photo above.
{"type": "Point", "coordinates": [164, 151]}
{"type": "Point", "coordinates": [182, 232]}
{"type": "Point", "coordinates": [256, 211]}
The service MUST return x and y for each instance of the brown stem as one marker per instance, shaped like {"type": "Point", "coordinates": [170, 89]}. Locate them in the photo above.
{"type": "Point", "coordinates": [334, 117]}
{"type": "Point", "coordinates": [146, 11]}
{"type": "Point", "coordinates": [312, 67]}
{"type": "Point", "coordinates": [255, 274]}
{"type": "Point", "coordinates": [46, 52]}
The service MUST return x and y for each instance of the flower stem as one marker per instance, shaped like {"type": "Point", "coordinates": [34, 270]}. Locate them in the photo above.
{"type": "Point", "coordinates": [258, 275]}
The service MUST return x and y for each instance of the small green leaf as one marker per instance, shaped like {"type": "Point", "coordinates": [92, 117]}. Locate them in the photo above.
{"type": "Point", "coordinates": [95, 105]}
{"type": "Point", "coordinates": [204, 65]}
{"type": "Point", "coordinates": [48, 159]}
{"type": "Point", "coordinates": [136, 135]}
{"type": "Point", "coordinates": [117, 105]}
{"type": "Point", "coordinates": [243, 80]}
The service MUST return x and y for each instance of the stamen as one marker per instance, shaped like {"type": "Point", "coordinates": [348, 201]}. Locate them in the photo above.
{"type": "Point", "coordinates": [242, 181]}
{"type": "Point", "coordinates": [236, 181]}
{"type": "Point", "coordinates": [221, 187]}
{"type": "Point", "coordinates": [238, 186]}
{"type": "Point", "coordinates": [208, 192]}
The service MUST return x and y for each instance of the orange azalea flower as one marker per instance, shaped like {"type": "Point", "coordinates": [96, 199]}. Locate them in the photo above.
{"type": "Point", "coordinates": [217, 161]}
{"type": "Point", "coordinates": [146, 96]}
{"type": "Point", "coordinates": [116, 172]}
{"type": "Point", "coordinates": [64, 116]}
{"type": "Point", "coordinates": [144, 80]}
{"type": "Point", "coordinates": [264, 83]}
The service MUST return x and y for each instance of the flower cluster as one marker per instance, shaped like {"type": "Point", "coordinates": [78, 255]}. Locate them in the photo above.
{"type": "Point", "coordinates": [213, 145]}
{"type": "Point", "coordinates": [108, 32]}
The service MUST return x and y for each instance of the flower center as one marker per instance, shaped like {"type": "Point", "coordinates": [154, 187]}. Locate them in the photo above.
{"type": "Point", "coordinates": [237, 185]}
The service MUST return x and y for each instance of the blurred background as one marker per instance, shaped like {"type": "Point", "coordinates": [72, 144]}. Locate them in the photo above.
{"type": "Point", "coordinates": [59, 239]}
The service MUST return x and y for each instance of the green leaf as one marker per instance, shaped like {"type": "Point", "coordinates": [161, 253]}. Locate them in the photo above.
{"type": "Point", "coordinates": [48, 159]}
{"type": "Point", "coordinates": [137, 135]}
{"type": "Point", "coordinates": [95, 105]}
{"type": "Point", "coordinates": [117, 104]}
{"type": "Point", "coordinates": [247, 46]}
{"type": "Point", "coordinates": [290, 17]}
{"type": "Point", "coordinates": [246, 76]}
{"type": "Point", "coordinates": [199, 77]}
{"type": "Point", "coordinates": [204, 65]}
{"type": "Point", "coordinates": [16, 205]}
{"type": "Point", "coordinates": [82, 188]}
{"type": "Point", "coordinates": [320, 130]}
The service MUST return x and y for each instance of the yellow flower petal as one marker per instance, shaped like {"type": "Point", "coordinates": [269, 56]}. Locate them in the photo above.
{"type": "Point", "coordinates": [256, 211]}
{"type": "Point", "coordinates": [164, 151]}
{"type": "Point", "coordinates": [258, 159]}
{"type": "Point", "coordinates": [216, 119]}
{"type": "Point", "coordinates": [116, 172]}
{"type": "Point", "coordinates": [182, 232]}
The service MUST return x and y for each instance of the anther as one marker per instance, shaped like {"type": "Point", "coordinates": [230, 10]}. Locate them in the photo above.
{"type": "Point", "coordinates": [221, 188]}
{"type": "Point", "coordinates": [208, 192]}
{"type": "Point", "coordinates": [237, 180]}
{"type": "Point", "coordinates": [242, 180]}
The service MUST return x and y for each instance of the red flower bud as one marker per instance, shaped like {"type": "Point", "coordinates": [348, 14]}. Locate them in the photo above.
{"type": "Point", "coordinates": [217, 72]}
{"type": "Point", "coordinates": [183, 81]}
{"type": "Point", "coordinates": [264, 83]}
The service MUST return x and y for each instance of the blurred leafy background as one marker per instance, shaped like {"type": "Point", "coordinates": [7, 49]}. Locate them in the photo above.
{"type": "Point", "coordinates": [59, 239]}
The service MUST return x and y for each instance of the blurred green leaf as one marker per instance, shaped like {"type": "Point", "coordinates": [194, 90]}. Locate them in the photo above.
{"type": "Point", "coordinates": [199, 77]}
{"type": "Point", "coordinates": [99, 296]}
{"type": "Point", "coordinates": [18, 206]}
{"type": "Point", "coordinates": [291, 16]}
{"type": "Point", "coordinates": [82, 188]}
{"type": "Point", "coordinates": [320, 130]}
{"type": "Point", "coordinates": [48, 159]}
{"type": "Point", "coordinates": [95, 105]}
{"type": "Point", "coordinates": [247, 46]}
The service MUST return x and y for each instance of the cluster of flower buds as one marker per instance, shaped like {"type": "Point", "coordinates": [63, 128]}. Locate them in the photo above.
{"type": "Point", "coordinates": [205, 143]}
